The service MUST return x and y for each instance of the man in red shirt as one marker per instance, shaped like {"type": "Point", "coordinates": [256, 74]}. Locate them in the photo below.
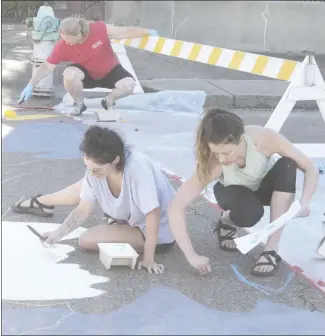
{"type": "Point", "coordinates": [93, 62]}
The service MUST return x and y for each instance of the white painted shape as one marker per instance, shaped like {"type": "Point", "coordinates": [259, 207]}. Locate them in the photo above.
{"type": "Point", "coordinates": [33, 272]}
{"type": "Point", "coordinates": [312, 150]}
{"type": "Point", "coordinates": [300, 237]}
{"type": "Point", "coordinates": [185, 50]}
{"type": "Point", "coordinates": [248, 62]}
{"type": "Point", "coordinates": [299, 242]}
{"type": "Point", "coordinates": [5, 129]}
{"type": "Point", "coordinates": [204, 54]}
{"type": "Point", "coordinates": [225, 58]}
{"type": "Point", "coordinates": [273, 67]}
{"type": "Point", "coordinates": [298, 247]}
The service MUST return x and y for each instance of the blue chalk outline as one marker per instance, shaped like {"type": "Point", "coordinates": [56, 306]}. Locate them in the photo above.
{"type": "Point", "coordinates": [264, 289]}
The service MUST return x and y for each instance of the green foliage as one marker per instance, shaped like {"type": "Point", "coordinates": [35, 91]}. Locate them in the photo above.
{"type": "Point", "coordinates": [19, 9]}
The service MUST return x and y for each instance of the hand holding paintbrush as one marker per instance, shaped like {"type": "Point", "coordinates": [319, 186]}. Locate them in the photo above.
{"type": "Point", "coordinates": [43, 237]}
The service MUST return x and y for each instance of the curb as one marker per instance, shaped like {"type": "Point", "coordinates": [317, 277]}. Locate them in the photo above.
{"type": "Point", "coordinates": [245, 101]}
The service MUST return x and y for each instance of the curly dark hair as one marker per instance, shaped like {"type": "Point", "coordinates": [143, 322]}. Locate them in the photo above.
{"type": "Point", "coordinates": [103, 145]}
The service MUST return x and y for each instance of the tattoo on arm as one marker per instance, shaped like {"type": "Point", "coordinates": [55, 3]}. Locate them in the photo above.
{"type": "Point", "coordinates": [73, 221]}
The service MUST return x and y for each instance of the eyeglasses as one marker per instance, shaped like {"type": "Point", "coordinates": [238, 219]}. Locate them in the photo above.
{"type": "Point", "coordinates": [94, 172]}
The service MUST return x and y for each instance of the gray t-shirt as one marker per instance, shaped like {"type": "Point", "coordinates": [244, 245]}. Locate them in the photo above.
{"type": "Point", "coordinates": [144, 188]}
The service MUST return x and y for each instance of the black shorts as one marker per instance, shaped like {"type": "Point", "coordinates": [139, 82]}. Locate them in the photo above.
{"type": "Point", "coordinates": [160, 248]}
{"type": "Point", "coordinates": [108, 82]}
{"type": "Point", "coordinates": [246, 207]}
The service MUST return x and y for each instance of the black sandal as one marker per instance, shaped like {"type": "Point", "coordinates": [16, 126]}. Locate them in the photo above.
{"type": "Point", "coordinates": [269, 262]}
{"type": "Point", "coordinates": [109, 219]}
{"type": "Point", "coordinates": [106, 106]}
{"type": "Point", "coordinates": [228, 236]}
{"type": "Point", "coordinates": [32, 209]}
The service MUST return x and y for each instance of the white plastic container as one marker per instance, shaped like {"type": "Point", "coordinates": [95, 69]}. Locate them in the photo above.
{"type": "Point", "coordinates": [45, 86]}
{"type": "Point", "coordinates": [110, 115]}
{"type": "Point", "coordinates": [113, 254]}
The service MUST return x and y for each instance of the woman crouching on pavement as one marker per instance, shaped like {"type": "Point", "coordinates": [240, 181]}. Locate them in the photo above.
{"type": "Point", "coordinates": [131, 190]}
{"type": "Point", "coordinates": [248, 176]}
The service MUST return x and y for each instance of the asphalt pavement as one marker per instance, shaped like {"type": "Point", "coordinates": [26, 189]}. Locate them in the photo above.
{"type": "Point", "coordinates": [41, 156]}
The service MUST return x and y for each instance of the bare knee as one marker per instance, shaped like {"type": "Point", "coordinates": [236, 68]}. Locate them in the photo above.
{"type": "Point", "coordinates": [72, 75]}
{"type": "Point", "coordinates": [86, 242]}
{"type": "Point", "coordinates": [127, 85]}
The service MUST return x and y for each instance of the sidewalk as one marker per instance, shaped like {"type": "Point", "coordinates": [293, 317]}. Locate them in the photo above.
{"type": "Point", "coordinates": [156, 72]}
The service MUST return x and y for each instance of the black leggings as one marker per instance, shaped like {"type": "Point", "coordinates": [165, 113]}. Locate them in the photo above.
{"type": "Point", "coordinates": [246, 207]}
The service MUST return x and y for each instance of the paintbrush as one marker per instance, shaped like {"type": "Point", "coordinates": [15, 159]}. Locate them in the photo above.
{"type": "Point", "coordinates": [36, 233]}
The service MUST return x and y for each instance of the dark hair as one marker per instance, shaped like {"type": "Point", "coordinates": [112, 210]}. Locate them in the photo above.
{"type": "Point", "coordinates": [103, 145]}
{"type": "Point", "coordinates": [217, 127]}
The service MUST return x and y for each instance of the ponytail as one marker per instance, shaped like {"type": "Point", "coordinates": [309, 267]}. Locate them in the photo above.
{"type": "Point", "coordinates": [73, 26]}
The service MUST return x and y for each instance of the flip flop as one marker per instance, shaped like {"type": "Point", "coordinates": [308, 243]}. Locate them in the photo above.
{"type": "Point", "coordinates": [269, 262]}
{"type": "Point", "coordinates": [32, 209]}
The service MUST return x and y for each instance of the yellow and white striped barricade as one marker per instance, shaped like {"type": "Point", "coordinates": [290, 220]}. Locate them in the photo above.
{"type": "Point", "coordinates": [306, 81]}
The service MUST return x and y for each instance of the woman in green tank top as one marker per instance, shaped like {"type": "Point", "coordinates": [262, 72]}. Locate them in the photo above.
{"type": "Point", "coordinates": [241, 162]}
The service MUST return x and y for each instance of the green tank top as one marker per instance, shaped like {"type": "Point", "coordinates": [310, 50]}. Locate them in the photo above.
{"type": "Point", "coordinates": [251, 176]}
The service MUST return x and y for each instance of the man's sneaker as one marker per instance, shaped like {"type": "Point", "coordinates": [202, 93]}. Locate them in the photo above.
{"type": "Point", "coordinates": [78, 108]}
{"type": "Point", "coordinates": [106, 106]}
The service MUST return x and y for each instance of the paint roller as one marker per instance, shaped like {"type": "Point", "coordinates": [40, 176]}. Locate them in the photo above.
{"type": "Point", "coordinates": [12, 112]}
{"type": "Point", "coordinates": [248, 242]}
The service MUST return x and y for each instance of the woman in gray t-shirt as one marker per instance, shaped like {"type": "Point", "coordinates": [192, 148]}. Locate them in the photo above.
{"type": "Point", "coordinates": [130, 189]}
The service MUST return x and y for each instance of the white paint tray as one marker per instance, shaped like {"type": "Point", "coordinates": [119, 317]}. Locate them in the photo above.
{"type": "Point", "coordinates": [113, 254]}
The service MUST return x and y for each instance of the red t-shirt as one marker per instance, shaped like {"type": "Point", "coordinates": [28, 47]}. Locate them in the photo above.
{"type": "Point", "coordinates": [95, 54]}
